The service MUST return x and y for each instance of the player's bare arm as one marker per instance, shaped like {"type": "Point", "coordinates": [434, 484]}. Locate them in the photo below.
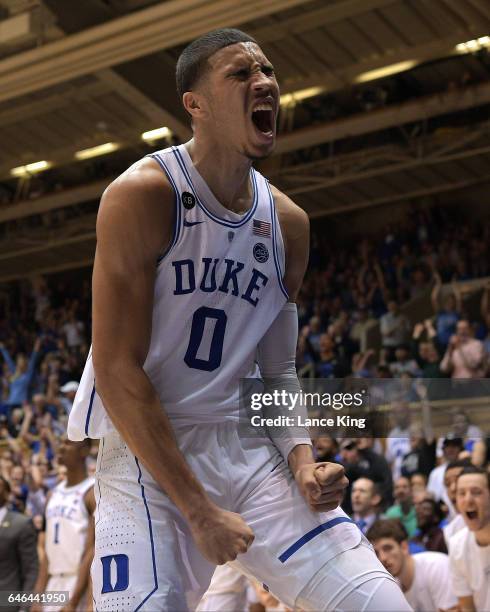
{"type": "Point", "coordinates": [83, 579]}
{"type": "Point", "coordinates": [133, 228]}
{"type": "Point", "coordinates": [322, 484]}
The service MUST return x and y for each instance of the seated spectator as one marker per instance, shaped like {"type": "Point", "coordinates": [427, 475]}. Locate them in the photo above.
{"type": "Point", "coordinates": [404, 364]}
{"type": "Point", "coordinates": [424, 578]}
{"type": "Point", "coordinates": [456, 521]}
{"type": "Point", "coordinates": [463, 428]}
{"type": "Point", "coordinates": [421, 458]}
{"type": "Point", "coordinates": [418, 483]}
{"type": "Point", "coordinates": [429, 534]}
{"type": "Point", "coordinates": [398, 440]}
{"type": "Point", "coordinates": [326, 448]}
{"type": "Point", "coordinates": [448, 314]}
{"type": "Point", "coordinates": [366, 463]}
{"type": "Point", "coordinates": [20, 373]}
{"type": "Point", "coordinates": [451, 447]}
{"type": "Point", "coordinates": [18, 553]}
{"type": "Point", "coordinates": [362, 323]}
{"type": "Point", "coordinates": [469, 549]}
{"type": "Point", "coordinates": [465, 356]}
{"type": "Point", "coordinates": [394, 327]}
{"type": "Point", "coordinates": [68, 391]}
{"type": "Point", "coordinates": [329, 364]}
{"type": "Point", "coordinates": [403, 509]}
{"type": "Point", "coordinates": [365, 501]}
{"type": "Point", "coordinates": [312, 333]}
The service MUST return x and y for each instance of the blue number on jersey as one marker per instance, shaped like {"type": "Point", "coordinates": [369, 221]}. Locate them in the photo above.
{"type": "Point", "coordinates": [197, 331]}
{"type": "Point", "coordinates": [56, 533]}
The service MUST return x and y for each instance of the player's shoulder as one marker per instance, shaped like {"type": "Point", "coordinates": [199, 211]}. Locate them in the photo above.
{"type": "Point", "coordinates": [143, 182]}
{"type": "Point", "coordinates": [288, 210]}
{"type": "Point", "coordinates": [137, 208]}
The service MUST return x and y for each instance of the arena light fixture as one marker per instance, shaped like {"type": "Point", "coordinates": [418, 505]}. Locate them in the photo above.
{"type": "Point", "coordinates": [156, 134]}
{"type": "Point", "coordinates": [302, 94]}
{"type": "Point", "coordinates": [102, 149]}
{"type": "Point", "coordinates": [475, 44]}
{"type": "Point", "coordinates": [379, 73]}
{"type": "Point", "coordinates": [29, 169]}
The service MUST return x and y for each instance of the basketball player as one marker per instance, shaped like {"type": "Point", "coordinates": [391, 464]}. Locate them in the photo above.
{"type": "Point", "coordinates": [198, 265]}
{"type": "Point", "coordinates": [69, 539]}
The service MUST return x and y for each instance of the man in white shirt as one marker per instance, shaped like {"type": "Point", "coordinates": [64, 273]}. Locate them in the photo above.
{"type": "Point", "coordinates": [456, 521]}
{"type": "Point", "coordinates": [451, 447]}
{"type": "Point", "coordinates": [398, 440]}
{"type": "Point", "coordinates": [424, 578]}
{"type": "Point", "coordinates": [469, 549]}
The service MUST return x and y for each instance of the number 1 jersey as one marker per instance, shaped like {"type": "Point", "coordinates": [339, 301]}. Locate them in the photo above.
{"type": "Point", "coordinates": [218, 289]}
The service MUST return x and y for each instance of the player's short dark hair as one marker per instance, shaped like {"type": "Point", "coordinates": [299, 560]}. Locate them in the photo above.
{"type": "Point", "coordinates": [192, 63]}
{"type": "Point", "coordinates": [6, 484]}
{"type": "Point", "coordinates": [387, 528]}
{"type": "Point", "coordinates": [473, 469]}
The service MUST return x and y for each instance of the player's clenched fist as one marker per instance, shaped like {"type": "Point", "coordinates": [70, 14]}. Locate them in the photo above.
{"type": "Point", "coordinates": [322, 485]}
{"type": "Point", "coordinates": [221, 535]}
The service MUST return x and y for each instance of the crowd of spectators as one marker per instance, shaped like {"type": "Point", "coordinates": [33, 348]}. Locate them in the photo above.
{"type": "Point", "coordinates": [404, 485]}
{"type": "Point", "coordinates": [349, 290]}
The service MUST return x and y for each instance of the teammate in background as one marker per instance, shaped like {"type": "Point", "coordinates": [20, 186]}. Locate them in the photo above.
{"type": "Point", "coordinates": [424, 577]}
{"type": "Point", "coordinates": [69, 539]}
{"type": "Point", "coordinates": [198, 265]}
{"type": "Point", "coordinates": [469, 548]}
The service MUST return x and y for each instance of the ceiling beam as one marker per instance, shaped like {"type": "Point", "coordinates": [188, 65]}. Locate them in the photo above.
{"type": "Point", "coordinates": [48, 245]}
{"type": "Point", "coordinates": [335, 80]}
{"type": "Point", "coordinates": [50, 269]}
{"type": "Point", "coordinates": [157, 115]}
{"type": "Point", "coordinates": [53, 201]}
{"type": "Point", "coordinates": [406, 195]}
{"type": "Point", "coordinates": [158, 27]}
{"type": "Point", "coordinates": [312, 19]}
{"type": "Point", "coordinates": [347, 177]}
{"type": "Point", "coordinates": [381, 119]}
{"type": "Point", "coordinates": [356, 125]}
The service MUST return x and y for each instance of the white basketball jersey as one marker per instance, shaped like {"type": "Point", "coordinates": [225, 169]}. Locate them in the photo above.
{"type": "Point", "coordinates": [218, 289]}
{"type": "Point", "coordinates": [66, 527]}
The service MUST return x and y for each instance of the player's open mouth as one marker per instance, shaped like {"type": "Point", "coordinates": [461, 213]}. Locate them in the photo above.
{"type": "Point", "coordinates": [263, 119]}
{"type": "Point", "coordinates": [472, 514]}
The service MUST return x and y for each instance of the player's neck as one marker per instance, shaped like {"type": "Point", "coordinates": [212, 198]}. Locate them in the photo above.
{"type": "Point", "coordinates": [75, 476]}
{"type": "Point", "coordinates": [407, 574]}
{"type": "Point", "coordinates": [227, 174]}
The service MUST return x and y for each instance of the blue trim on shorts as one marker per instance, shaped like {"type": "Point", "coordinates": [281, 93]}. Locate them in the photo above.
{"type": "Point", "coordinates": [151, 537]}
{"type": "Point", "coordinates": [98, 482]}
{"type": "Point", "coordinates": [212, 216]}
{"type": "Point", "coordinates": [89, 411]}
{"type": "Point", "coordinates": [312, 534]}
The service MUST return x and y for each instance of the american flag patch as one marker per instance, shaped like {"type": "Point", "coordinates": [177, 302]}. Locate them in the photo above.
{"type": "Point", "coordinates": [261, 228]}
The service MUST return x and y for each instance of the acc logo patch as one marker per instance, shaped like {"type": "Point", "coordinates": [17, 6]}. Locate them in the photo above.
{"type": "Point", "coordinates": [188, 200]}
{"type": "Point", "coordinates": [261, 253]}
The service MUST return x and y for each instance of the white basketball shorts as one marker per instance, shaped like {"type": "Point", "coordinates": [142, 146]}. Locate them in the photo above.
{"type": "Point", "coordinates": [145, 557]}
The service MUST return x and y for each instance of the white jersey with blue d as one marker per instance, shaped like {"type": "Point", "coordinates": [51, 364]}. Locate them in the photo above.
{"type": "Point", "coordinates": [218, 288]}
{"type": "Point", "coordinates": [67, 520]}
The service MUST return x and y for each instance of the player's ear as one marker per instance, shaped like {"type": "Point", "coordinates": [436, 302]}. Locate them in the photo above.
{"type": "Point", "coordinates": [194, 104]}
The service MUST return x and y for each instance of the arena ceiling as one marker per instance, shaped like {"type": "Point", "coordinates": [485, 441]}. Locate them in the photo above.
{"type": "Point", "coordinates": [75, 75]}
